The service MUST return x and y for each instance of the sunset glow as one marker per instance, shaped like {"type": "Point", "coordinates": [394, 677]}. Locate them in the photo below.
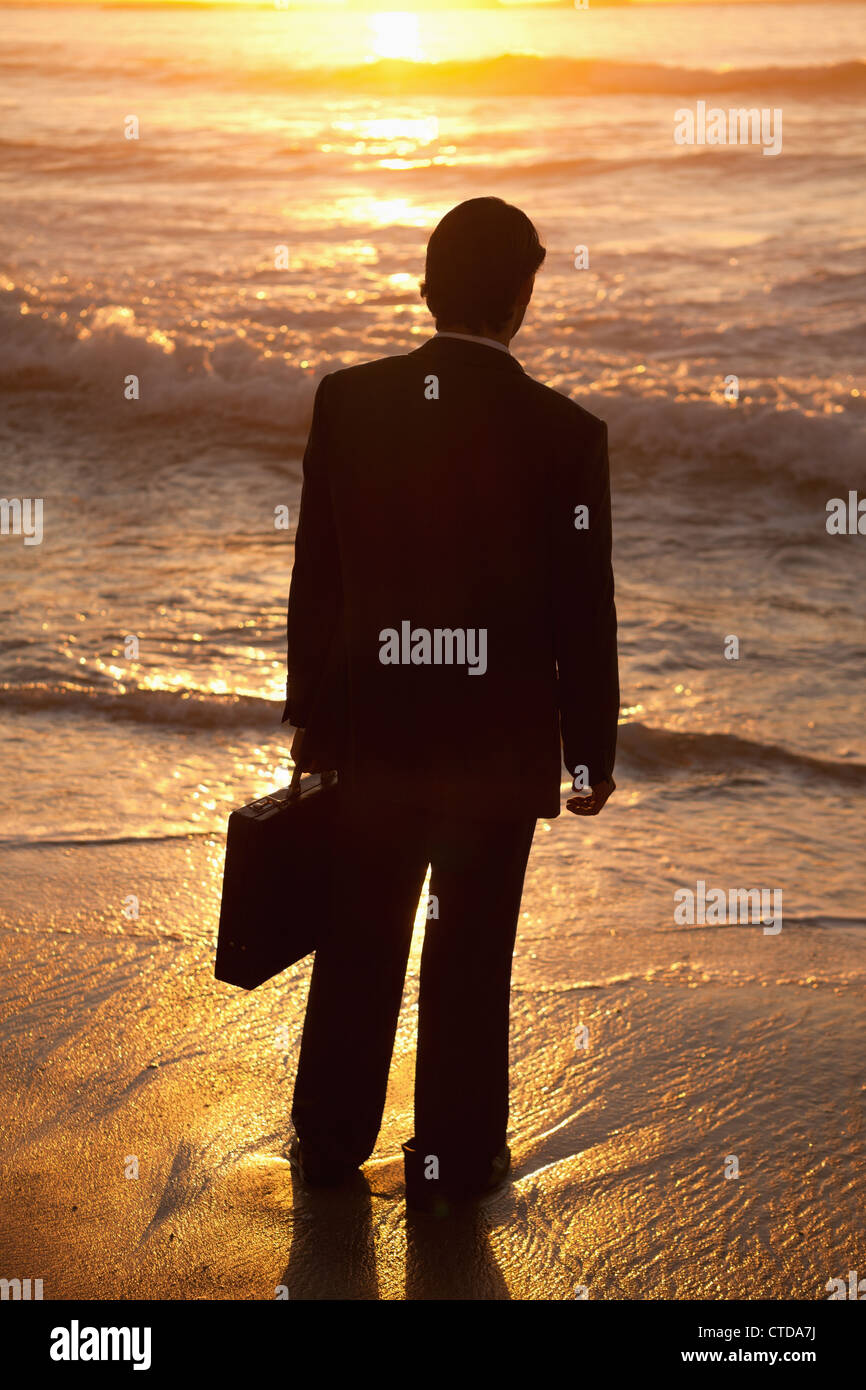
{"type": "Point", "coordinates": [395, 35]}
{"type": "Point", "coordinates": [635, 373]}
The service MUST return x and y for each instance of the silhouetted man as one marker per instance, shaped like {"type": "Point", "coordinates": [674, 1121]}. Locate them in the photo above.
{"type": "Point", "coordinates": [451, 633]}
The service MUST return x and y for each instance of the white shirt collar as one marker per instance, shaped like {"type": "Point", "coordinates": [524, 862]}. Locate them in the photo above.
{"type": "Point", "coordinates": [471, 338]}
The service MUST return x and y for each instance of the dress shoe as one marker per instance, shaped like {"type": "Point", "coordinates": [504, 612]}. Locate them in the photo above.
{"type": "Point", "coordinates": [316, 1171]}
{"type": "Point", "coordinates": [438, 1197]}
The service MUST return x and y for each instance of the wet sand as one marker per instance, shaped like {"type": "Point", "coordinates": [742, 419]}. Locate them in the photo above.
{"type": "Point", "coordinates": [118, 1042]}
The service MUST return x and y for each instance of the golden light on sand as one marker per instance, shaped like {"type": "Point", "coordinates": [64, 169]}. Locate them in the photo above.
{"type": "Point", "coordinates": [395, 35]}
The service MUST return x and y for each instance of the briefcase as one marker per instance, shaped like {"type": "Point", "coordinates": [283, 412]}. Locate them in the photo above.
{"type": "Point", "coordinates": [278, 880]}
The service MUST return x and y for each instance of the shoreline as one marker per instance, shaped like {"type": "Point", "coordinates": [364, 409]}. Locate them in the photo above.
{"type": "Point", "coordinates": [119, 1046]}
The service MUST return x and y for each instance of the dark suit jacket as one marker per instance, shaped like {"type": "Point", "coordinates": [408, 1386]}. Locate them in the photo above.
{"type": "Point", "coordinates": [454, 513]}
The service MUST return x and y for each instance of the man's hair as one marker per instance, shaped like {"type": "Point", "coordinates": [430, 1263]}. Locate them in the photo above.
{"type": "Point", "coordinates": [477, 258]}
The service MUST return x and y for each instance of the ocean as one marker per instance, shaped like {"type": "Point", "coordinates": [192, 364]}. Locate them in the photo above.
{"type": "Point", "coordinates": [268, 225]}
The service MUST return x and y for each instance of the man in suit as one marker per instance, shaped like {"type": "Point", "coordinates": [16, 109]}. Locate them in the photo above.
{"type": "Point", "coordinates": [451, 634]}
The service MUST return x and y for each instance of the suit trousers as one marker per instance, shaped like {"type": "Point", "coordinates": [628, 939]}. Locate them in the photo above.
{"type": "Point", "coordinates": [461, 1071]}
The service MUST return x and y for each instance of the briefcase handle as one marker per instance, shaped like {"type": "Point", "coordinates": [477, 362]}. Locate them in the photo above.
{"type": "Point", "coordinates": [295, 784]}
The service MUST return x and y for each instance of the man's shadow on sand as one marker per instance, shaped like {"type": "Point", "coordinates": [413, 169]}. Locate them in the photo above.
{"type": "Point", "coordinates": [333, 1252]}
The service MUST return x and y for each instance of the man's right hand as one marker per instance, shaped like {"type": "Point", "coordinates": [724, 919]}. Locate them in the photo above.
{"type": "Point", "coordinates": [301, 759]}
{"type": "Point", "coordinates": [589, 804]}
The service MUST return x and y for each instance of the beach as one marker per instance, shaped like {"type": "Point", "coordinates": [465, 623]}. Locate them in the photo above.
{"type": "Point", "coordinates": [122, 1045]}
{"type": "Point", "coordinates": [704, 1136]}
